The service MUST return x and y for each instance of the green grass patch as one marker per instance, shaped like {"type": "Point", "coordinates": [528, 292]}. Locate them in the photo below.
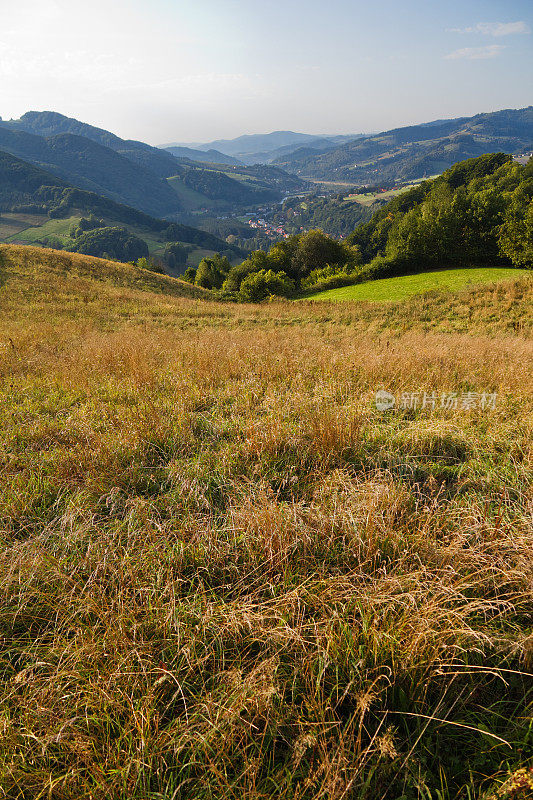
{"type": "Point", "coordinates": [51, 227]}
{"type": "Point", "coordinates": [392, 289]}
{"type": "Point", "coordinates": [11, 223]}
{"type": "Point", "coordinates": [190, 199]}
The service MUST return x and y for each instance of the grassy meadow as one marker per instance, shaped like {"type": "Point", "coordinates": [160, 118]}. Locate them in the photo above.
{"type": "Point", "coordinates": [403, 286]}
{"type": "Point", "coordinates": [226, 575]}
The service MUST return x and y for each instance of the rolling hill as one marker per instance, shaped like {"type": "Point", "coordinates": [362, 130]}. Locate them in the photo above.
{"type": "Point", "coordinates": [92, 166]}
{"type": "Point", "coordinates": [416, 151]}
{"type": "Point", "coordinates": [25, 266]}
{"type": "Point", "coordinates": [130, 172]}
{"type": "Point", "coordinates": [49, 123]}
{"type": "Point", "coordinates": [37, 207]}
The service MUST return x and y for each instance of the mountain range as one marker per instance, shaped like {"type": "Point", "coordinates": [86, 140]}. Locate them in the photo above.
{"type": "Point", "coordinates": [264, 148]}
{"type": "Point", "coordinates": [415, 151]}
{"type": "Point", "coordinates": [133, 173]}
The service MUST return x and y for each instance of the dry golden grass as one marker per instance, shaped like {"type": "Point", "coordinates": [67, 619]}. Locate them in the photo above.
{"type": "Point", "coordinates": [225, 574]}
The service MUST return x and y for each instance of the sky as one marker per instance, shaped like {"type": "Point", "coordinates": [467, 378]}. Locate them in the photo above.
{"type": "Point", "coordinates": [195, 70]}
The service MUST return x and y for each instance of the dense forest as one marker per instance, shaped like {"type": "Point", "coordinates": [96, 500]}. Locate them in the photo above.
{"type": "Point", "coordinates": [478, 213]}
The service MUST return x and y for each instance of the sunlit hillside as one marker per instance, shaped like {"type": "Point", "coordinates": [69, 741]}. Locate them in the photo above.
{"type": "Point", "coordinates": [227, 574]}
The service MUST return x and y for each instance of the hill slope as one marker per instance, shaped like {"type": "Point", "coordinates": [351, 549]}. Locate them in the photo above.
{"type": "Point", "coordinates": [37, 207]}
{"type": "Point", "coordinates": [390, 290]}
{"type": "Point", "coordinates": [418, 150]}
{"type": "Point", "coordinates": [94, 167]}
{"type": "Point", "coordinates": [128, 171]}
{"type": "Point", "coordinates": [226, 573]}
{"type": "Point", "coordinates": [33, 270]}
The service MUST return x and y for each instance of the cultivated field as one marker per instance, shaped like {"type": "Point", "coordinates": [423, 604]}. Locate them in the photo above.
{"type": "Point", "coordinates": [226, 574]}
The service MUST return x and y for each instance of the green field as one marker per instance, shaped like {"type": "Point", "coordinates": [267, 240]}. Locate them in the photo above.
{"type": "Point", "coordinates": [367, 198]}
{"type": "Point", "coordinates": [59, 228]}
{"type": "Point", "coordinates": [13, 223]}
{"type": "Point", "coordinates": [37, 229]}
{"type": "Point", "coordinates": [189, 198]}
{"type": "Point", "coordinates": [399, 288]}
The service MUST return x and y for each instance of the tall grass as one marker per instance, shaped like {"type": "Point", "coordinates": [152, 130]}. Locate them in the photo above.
{"type": "Point", "coordinates": [225, 574]}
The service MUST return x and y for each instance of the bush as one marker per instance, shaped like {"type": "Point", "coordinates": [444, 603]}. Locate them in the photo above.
{"type": "Point", "coordinates": [259, 285]}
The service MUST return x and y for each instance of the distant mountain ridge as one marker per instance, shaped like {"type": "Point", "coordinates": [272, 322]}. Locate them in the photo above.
{"type": "Point", "coordinates": [51, 123]}
{"type": "Point", "coordinates": [264, 148]}
{"type": "Point", "coordinates": [202, 156]}
{"type": "Point", "coordinates": [415, 151]}
{"type": "Point", "coordinates": [92, 166]}
{"type": "Point", "coordinates": [129, 172]}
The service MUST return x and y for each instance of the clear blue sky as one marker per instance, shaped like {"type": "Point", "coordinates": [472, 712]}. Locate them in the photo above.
{"type": "Point", "coordinates": [195, 70]}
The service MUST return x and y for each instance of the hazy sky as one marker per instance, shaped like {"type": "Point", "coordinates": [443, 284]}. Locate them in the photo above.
{"type": "Point", "coordinates": [194, 70]}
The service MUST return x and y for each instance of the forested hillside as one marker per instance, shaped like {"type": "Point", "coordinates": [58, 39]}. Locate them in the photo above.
{"type": "Point", "coordinates": [134, 173]}
{"type": "Point", "coordinates": [417, 151]}
{"type": "Point", "coordinates": [39, 208]}
{"type": "Point", "coordinates": [94, 167]}
{"type": "Point", "coordinates": [478, 213]}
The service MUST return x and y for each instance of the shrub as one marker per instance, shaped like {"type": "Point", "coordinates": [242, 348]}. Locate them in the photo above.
{"type": "Point", "coordinates": [259, 285]}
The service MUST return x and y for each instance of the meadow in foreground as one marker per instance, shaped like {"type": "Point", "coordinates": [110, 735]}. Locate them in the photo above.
{"type": "Point", "coordinates": [225, 574]}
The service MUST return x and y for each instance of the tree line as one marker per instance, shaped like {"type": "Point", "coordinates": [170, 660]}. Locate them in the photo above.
{"type": "Point", "coordinates": [477, 213]}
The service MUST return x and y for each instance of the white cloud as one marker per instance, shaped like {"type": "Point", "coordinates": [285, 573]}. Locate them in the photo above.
{"type": "Point", "coordinates": [476, 53]}
{"type": "Point", "coordinates": [495, 28]}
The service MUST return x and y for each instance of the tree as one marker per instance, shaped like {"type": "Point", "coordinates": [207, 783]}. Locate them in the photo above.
{"type": "Point", "coordinates": [257, 261]}
{"type": "Point", "coordinates": [316, 250]}
{"type": "Point", "coordinates": [516, 234]}
{"type": "Point", "coordinates": [212, 272]}
{"type": "Point", "coordinates": [176, 255]}
{"type": "Point", "coordinates": [114, 243]}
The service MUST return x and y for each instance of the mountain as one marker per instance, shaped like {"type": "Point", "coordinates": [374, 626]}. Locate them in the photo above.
{"type": "Point", "coordinates": [263, 148]}
{"type": "Point", "coordinates": [130, 172]}
{"type": "Point", "coordinates": [50, 123]}
{"type": "Point", "coordinates": [94, 167]}
{"type": "Point", "coordinates": [415, 151]}
{"type": "Point", "coordinates": [255, 142]}
{"type": "Point", "coordinates": [209, 156]}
